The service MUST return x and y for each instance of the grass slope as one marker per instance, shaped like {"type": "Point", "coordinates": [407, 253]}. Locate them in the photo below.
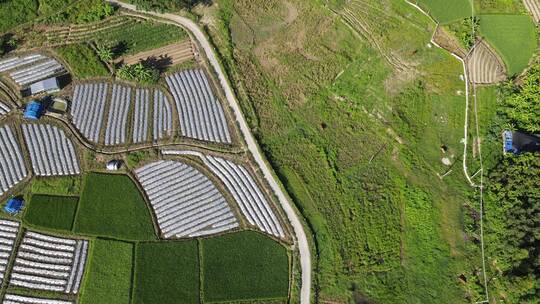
{"type": "Point", "coordinates": [167, 272]}
{"type": "Point", "coordinates": [55, 212]}
{"type": "Point", "coordinates": [108, 273]}
{"type": "Point", "coordinates": [83, 61]}
{"type": "Point", "coordinates": [445, 11]}
{"type": "Point", "coordinates": [111, 205]}
{"type": "Point", "coordinates": [242, 266]}
{"type": "Point", "coordinates": [357, 141]}
{"type": "Point", "coordinates": [512, 36]}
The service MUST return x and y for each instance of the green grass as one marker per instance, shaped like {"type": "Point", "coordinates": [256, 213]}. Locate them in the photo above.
{"type": "Point", "coordinates": [111, 205]}
{"type": "Point", "coordinates": [15, 12]}
{"type": "Point", "coordinates": [140, 36]}
{"type": "Point", "coordinates": [55, 212]}
{"type": "Point", "coordinates": [83, 61]}
{"type": "Point", "coordinates": [167, 272]}
{"type": "Point", "coordinates": [67, 185]}
{"type": "Point", "coordinates": [242, 266]}
{"type": "Point", "coordinates": [512, 36]}
{"type": "Point", "coordinates": [445, 11]}
{"type": "Point", "coordinates": [108, 273]}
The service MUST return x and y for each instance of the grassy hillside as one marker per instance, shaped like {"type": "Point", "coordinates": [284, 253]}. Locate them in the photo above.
{"type": "Point", "coordinates": [356, 113]}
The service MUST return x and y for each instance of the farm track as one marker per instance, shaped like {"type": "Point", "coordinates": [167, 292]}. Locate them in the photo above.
{"type": "Point", "coordinates": [483, 65]}
{"type": "Point", "coordinates": [301, 239]}
{"type": "Point", "coordinates": [176, 53]}
{"type": "Point", "coordinates": [533, 6]}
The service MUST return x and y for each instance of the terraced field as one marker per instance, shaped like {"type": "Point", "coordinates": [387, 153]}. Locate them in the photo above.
{"type": "Point", "coordinates": [484, 65]}
{"type": "Point", "coordinates": [27, 69]}
{"type": "Point", "coordinates": [533, 6]}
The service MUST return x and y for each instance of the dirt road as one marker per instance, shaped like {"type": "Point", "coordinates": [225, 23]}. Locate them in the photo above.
{"type": "Point", "coordinates": [301, 239]}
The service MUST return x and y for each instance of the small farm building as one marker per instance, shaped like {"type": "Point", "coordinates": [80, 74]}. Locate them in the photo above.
{"type": "Point", "coordinates": [33, 110]}
{"type": "Point", "coordinates": [49, 85]}
{"type": "Point", "coordinates": [14, 205]}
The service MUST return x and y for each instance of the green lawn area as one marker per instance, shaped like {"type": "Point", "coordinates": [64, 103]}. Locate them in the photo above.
{"type": "Point", "coordinates": [55, 212]}
{"type": "Point", "coordinates": [111, 205]}
{"type": "Point", "coordinates": [167, 272]}
{"type": "Point", "coordinates": [446, 11]}
{"type": "Point", "coordinates": [108, 273]}
{"type": "Point", "coordinates": [512, 36]}
{"type": "Point", "coordinates": [243, 266]}
{"type": "Point", "coordinates": [83, 61]}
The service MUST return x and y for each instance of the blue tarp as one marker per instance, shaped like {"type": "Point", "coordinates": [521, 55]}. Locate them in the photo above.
{"type": "Point", "coordinates": [33, 110]}
{"type": "Point", "coordinates": [14, 205]}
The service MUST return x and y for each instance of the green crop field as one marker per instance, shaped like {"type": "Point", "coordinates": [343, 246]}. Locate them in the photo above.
{"type": "Point", "coordinates": [108, 273]}
{"type": "Point", "coordinates": [55, 212]}
{"type": "Point", "coordinates": [65, 185]}
{"type": "Point", "coordinates": [83, 61]}
{"type": "Point", "coordinates": [140, 36]}
{"type": "Point", "coordinates": [512, 36]}
{"type": "Point", "coordinates": [445, 11]}
{"type": "Point", "coordinates": [111, 205]}
{"type": "Point", "coordinates": [243, 266]}
{"type": "Point", "coordinates": [167, 272]}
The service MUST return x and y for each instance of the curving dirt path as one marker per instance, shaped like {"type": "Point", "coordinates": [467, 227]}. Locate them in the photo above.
{"type": "Point", "coordinates": [301, 239]}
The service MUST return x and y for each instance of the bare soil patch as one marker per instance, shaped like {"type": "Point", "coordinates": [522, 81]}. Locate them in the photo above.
{"type": "Point", "coordinates": [484, 66]}
{"type": "Point", "coordinates": [533, 6]}
{"type": "Point", "coordinates": [168, 55]}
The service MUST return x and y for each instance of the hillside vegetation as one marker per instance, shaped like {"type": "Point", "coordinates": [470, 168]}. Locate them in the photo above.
{"type": "Point", "coordinates": [355, 113]}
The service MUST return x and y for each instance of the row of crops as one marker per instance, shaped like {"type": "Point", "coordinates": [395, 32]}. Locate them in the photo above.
{"type": "Point", "coordinates": [27, 69]}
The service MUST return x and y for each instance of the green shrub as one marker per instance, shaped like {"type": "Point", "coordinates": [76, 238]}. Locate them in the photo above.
{"type": "Point", "coordinates": [138, 72]}
{"type": "Point", "coordinates": [16, 12]}
{"type": "Point", "coordinates": [55, 212]}
{"type": "Point", "coordinates": [162, 5]}
{"type": "Point", "coordinates": [84, 62]}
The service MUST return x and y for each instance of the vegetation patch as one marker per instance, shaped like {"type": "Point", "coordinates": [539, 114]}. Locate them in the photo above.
{"type": "Point", "coordinates": [83, 60]}
{"type": "Point", "coordinates": [445, 11]}
{"type": "Point", "coordinates": [512, 36]}
{"type": "Point", "coordinates": [108, 273]}
{"type": "Point", "coordinates": [242, 266]}
{"type": "Point", "coordinates": [15, 12]}
{"type": "Point", "coordinates": [55, 212]}
{"type": "Point", "coordinates": [65, 185]}
{"type": "Point", "coordinates": [111, 205]}
{"type": "Point", "coordinates": [167, 272]}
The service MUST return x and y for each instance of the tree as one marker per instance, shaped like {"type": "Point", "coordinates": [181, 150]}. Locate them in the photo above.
{"type": "Point", "coordinates": [522, 105]}
{"type": "Point", "coordinates": [105, 53]}
{"type": "Point", "coordinates": [138, 72]}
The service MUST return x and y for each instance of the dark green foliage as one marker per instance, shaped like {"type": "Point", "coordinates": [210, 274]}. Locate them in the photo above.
{"type": "Point", "coordinates": [136, 158]}
{"type": "Point", "coordinates": [111, 205]}
{"type": "Point", "coordinates": [445, 11]}
{"type": "Point", "coordinates": [84, 62]}
{"type": "Point", "coordinates": [167, 272]}
{"type": "Point", "coordinates": [87, 11]}
{"type": "Point", "coordinates": [242, 266]}
{"type": "Point", "coordinates": [16, 12]}
{"type": "Point", "coordinates": [163, 5]}
{"type": "Point", "coordinates": [138, 37]}
{"type": "Point", "coordinates": [138, 72]}
{"type": "Point", "coordinates": [55, 212]}
{"type": "Point", "coordinates": [463, 30]}
{"type": "Point", "coordinates": [513, 221]}
{"type": "Point", "coordinates": [108, 273]}
{"type": "Point", "coordinates": [521, 105]}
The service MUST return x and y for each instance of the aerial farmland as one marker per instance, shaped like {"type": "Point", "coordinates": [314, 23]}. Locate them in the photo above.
{"type": "Point", "coordinates": [124, 174]}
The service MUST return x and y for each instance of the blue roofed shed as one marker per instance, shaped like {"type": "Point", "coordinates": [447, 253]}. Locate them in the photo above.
{"type": "Point", "coordinates": [49, 85]}
{"type": "Point", "coordinates": [33, 110]}
{"type": "Point", "coordinates": [14, 205]}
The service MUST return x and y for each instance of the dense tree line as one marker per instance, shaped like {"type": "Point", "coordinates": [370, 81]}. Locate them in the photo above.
{"type": "Point", "coordinates": [513, 220]}
{"type": "Point", "coordinates": [163, 5]}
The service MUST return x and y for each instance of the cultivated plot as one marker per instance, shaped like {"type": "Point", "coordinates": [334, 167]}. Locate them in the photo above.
{"type": "Point", "coordinates": [31, 68]}
{"type": "Point", "coordinates": [53, 212]}
{"type": "Point", "coordinates": [512, 36]}
{"type": "Point", "coordinates": [445, 11]}
{"type": "Point", "coordinates": [115, 132]}
{"type": "Point", "coordinates": [49, 263]}
{"type": "Point", "coordinates": [51, 152]}
{"type": "Point", "coordinates": [185, 201]}
{"type": "Point", "coordinates": [87, 108]}
{"type": "Point", "coordinates": [8, 234]}
{"type": "Point", "coordinates": [19, 299]}
{"type": "Point", "coordinates": [12, 167]}
{"type": "Point", "coordinates": [484, 66]}
{"type": "Point", "coordinates": [201, 114]}
{"type": "Point", "coordinates": [4, 108]}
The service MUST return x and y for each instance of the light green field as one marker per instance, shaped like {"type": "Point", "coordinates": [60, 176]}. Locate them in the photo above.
{"type": "Point", "coordinates": [244, 266]}
{"type": "Point", "coordinates": [446, 11]}
{"type": "Point", "coordinates": [83, 61]}
{"type": "Point", "coordinates": [55, 212]}
{"type": "Point", "coordinates": [512, 36]}
{"type": "Point", "coordinates": [108, 273]}
{"type": "Point", "coordinates": [111, 205]}
{"type": "Point", "coordinates": [167, 272]}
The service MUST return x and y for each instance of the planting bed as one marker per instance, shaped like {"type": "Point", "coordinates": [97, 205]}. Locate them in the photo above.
{"type": "Point", "coordinates": [54, 212]}
{"type": "Point", "coordinates": [12, 167]}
